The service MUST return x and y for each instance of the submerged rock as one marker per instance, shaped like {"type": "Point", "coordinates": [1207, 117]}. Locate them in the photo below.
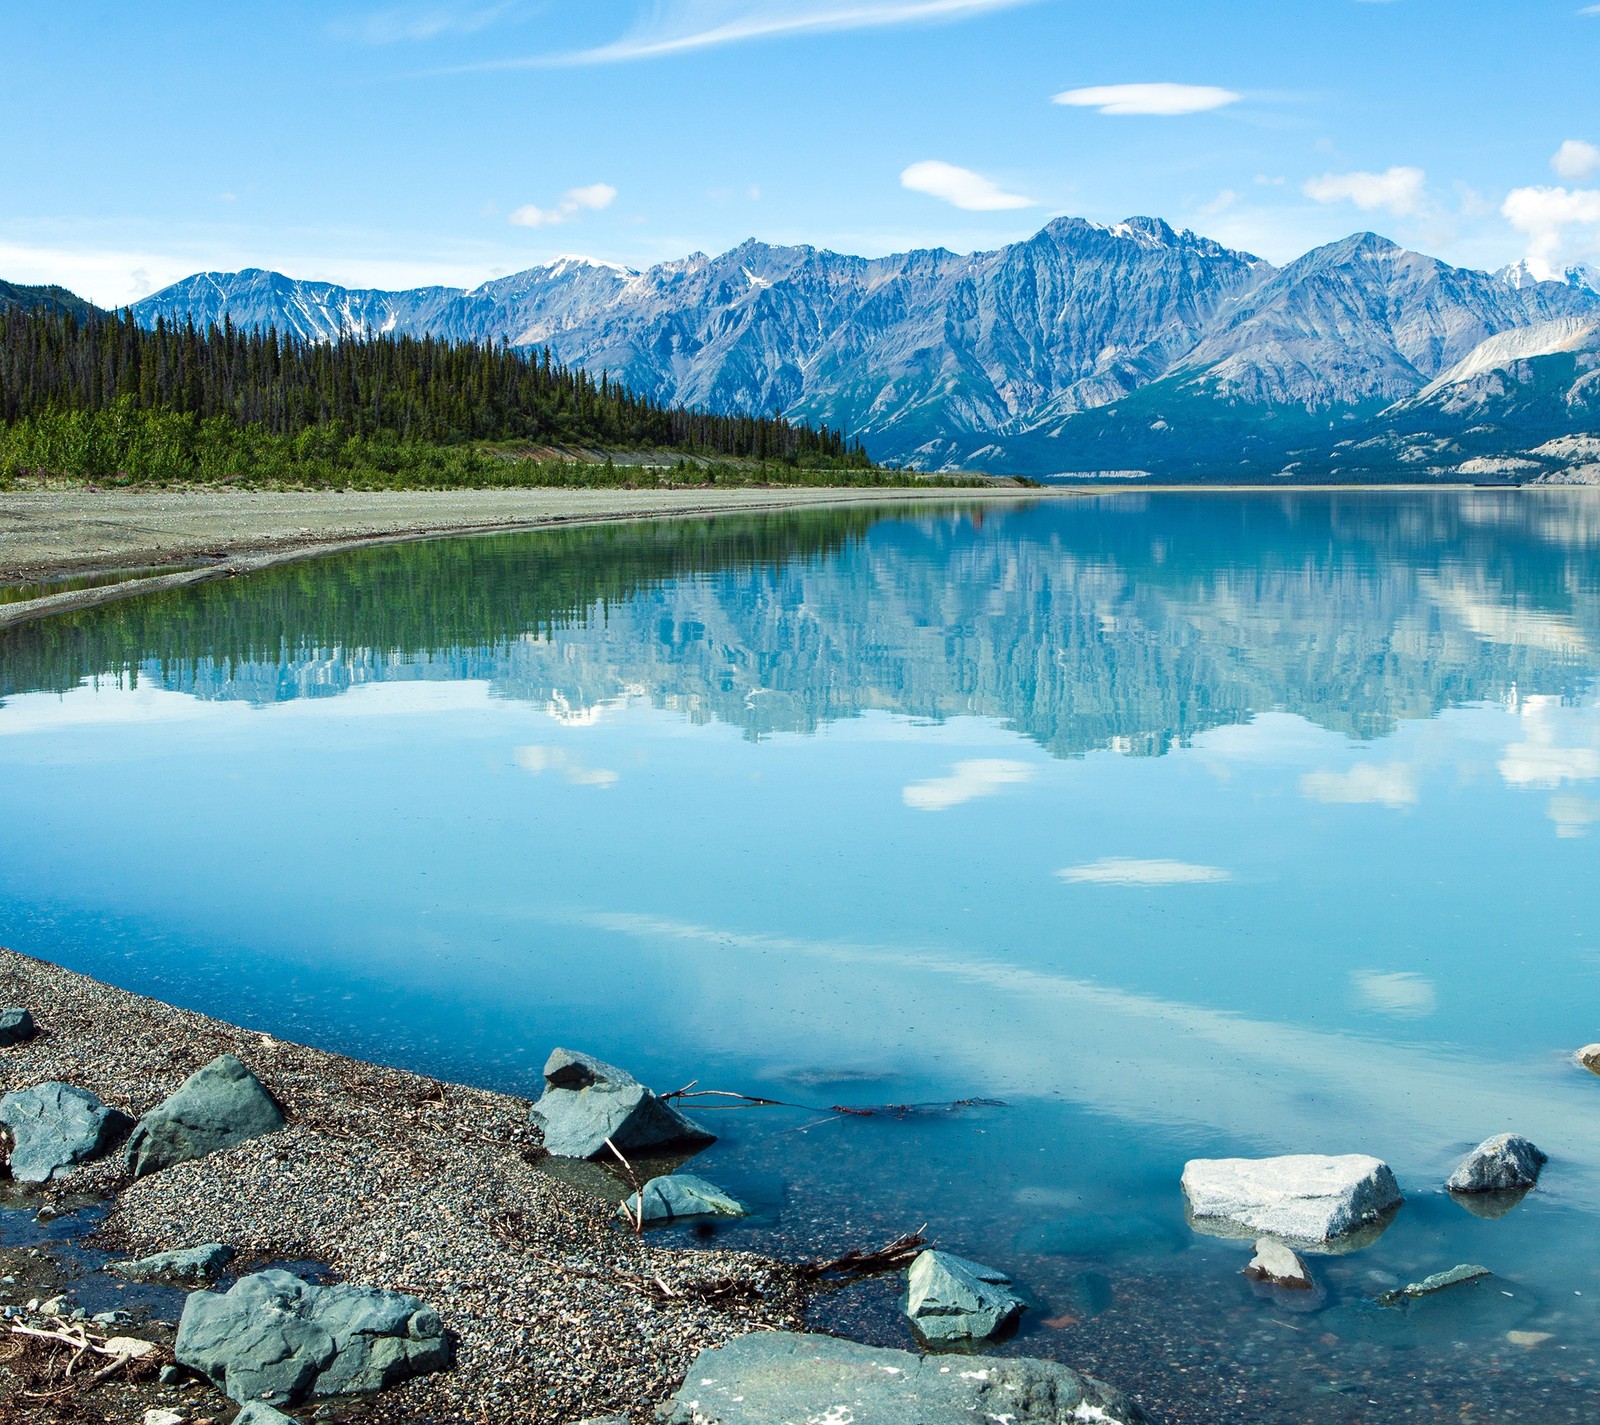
{"type": "Point", "coordinates": [1507, 1162]}
{"type": "Point", "coordinates": [1278, 1265]}
{"type": "Point", "coordinates": [276, 1338]}
{"type": "Point", "coordinates": [16, 1027]}
{"type": "Point", "coordinates": [773, 1376]}
{"type": "Point", "coordinates": [218, 1106]}
{"type": "Point", "coordinates": [1429, 1286]}
{"type": "Point", "coordinates": [952, 1299]}
{"type": "Point", "coordinates": [1300, 1198]}
{"type": "Point", "coordinates": [188, 1264]}
{"type": "Point", "coordinates": [680, 1195]}
{"type": "Point", "coordinates": [258, 1412]}
{"type": "Point", "coordinates": [55, 1126]}
{"type": "Point", "coordinates": [587, 1101]}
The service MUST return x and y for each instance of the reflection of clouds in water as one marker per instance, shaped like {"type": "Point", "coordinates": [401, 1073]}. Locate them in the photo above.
{"type": "Point", "coordinates": [981, 777]}
{"type": "Point", "coordinates": [1394, 785]}
{"type": "Point", "coordinates": [1399, 993]}
{"type": "Point", "coordinates": [1278, 1086]}
{"type": "Point", "coordinates": [1573, 815]}
{"type": "Point", "coordinates": [1120, 871]}
{"type": "Point", "coordinates": [1493, 614]}
{"type": "Point", "coordinates": [1541, 759]}
{"type": "Point", "coordinates": [553, 759]}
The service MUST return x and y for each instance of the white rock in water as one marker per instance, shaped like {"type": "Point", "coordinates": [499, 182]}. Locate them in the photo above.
{"type": "Point", "coordinates": [1507, 1162]}
{"type": "Point", "coordinates": [1280, 1265]}
{"type": "Point", "coordinates": [1301, 1198]}
{"type": "Point", "coordinates": [1589, 1057]}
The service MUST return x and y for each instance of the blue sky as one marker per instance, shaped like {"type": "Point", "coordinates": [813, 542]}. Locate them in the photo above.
{"type": "Point", "coordinates": [455, 140]}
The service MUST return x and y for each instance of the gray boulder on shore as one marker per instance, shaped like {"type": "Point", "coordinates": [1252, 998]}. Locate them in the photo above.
{"type": "Point", "coordinates": [586, 1101]}
{"type": "Point", "coordinates": [55, 1126]}
{"type": "Point", "coordinates": [679, 1195]}
{"type": "Point", "coordinates": [16, 1027]}
{"type": "Point", "coordinates": [1507, 1162]}
{"type": "Point", "coordinates": [950, 1299]}
{"type": "Point", "coordinates": [218, 1106]}
{"type": "Point", "coordinates": [276, 1338]}
{"type": "Point", "coordinates": [771, 1376]}
{"type": "Point", "coordinates": [187, 1264]}
{"type": "Point", "coordinates": [1303, 1198]}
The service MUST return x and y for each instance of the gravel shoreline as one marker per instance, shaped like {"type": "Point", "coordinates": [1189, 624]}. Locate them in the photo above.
{"type": "Point", "coordinates": [395, 1180]}
{"type": "Point", "coordinates": [53, 534]}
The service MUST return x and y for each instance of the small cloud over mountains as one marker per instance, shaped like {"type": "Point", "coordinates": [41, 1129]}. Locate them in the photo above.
{"type": "Point", "coordinates": [575, 202]}
{"type": "Point", "coordinates": [1399, 191]}
{"type": "Point", "coordinates": [961, 187]}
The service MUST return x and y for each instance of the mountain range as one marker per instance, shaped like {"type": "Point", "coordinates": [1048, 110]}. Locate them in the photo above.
{"type": "Point", "coordinates": [1086, 349]}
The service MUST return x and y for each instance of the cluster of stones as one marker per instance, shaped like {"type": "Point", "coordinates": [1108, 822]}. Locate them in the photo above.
{"type": "Point", "coordinates": [271, 1339]}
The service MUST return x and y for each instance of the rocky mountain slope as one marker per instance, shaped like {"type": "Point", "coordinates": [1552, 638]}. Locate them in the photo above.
{"type": "Point", "coordinates": [1083, 348]}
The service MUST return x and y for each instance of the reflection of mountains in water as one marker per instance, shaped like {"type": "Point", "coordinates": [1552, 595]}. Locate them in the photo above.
{"type": "Point", "coordinates": [1130, 622]}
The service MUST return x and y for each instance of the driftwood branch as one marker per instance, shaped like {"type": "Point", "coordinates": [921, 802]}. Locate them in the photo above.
{"type": "Point", "coordinates": [889, 1257]}
{"type": "Point", "coordinates": [636, 1214]}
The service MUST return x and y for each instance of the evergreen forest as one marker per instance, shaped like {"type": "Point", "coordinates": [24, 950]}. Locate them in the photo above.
{"type": "Point", "coordinates": [102, 398]}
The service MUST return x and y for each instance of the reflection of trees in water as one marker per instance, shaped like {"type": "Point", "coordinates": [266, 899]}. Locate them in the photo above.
{"type": "Point", "coordinates": [1132, 622]}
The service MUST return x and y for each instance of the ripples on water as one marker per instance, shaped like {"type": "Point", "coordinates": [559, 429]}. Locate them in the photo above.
{"type": "Point", "coordinates": [1185, 825]}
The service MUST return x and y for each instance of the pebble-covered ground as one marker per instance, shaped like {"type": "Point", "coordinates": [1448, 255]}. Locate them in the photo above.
{"type": "Point", "coordinates": [394, 1181]}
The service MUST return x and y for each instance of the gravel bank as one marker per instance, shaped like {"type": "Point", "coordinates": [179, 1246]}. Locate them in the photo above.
{"type": "Point", "coordinates": [398, 1181]}
{"type": "Point", "coordinates": [51, 534]}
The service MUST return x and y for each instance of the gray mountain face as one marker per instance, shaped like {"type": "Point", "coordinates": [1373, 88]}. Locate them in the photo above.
{"type": "Point", "coordinates": [995, 359]}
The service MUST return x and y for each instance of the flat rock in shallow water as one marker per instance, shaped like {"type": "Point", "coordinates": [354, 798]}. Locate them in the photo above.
{"type": "Point", "coordinates": [218, 1106]}
{"type": "Point", "coordinates": [680, 1195]}
{"type": "Point", "coordinates": [258, 1412]}
{"type": "Point", "coordinates": [951, 1299]}
{"type": "Point", "coordinates": [55, 1126]}
{"type": "Point", "coordinates": [1278, 1265]}
{"type": "Point", "coordinates": [16, 1027]}
{"type": "Point", "coordinates": [1439, 1281]}
{"type": "Point", "coordinates": [1505, 1163]}
{"type": "Point", "coordinates": [188, 1264]}
{"type": "Point", "coordinates": [276, 1338]}
{"type": "Point", "coordinates": [587, 1101]}
{"type": "Point", "coordinates": [1301, 1198]}
{"type": "Point", "coordinates": [774, 1376]}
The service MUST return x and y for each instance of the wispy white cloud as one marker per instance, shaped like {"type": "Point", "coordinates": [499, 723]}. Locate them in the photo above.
{"type": "Point", "coordinates": [981, 777]}
{"type": "Point", "coordinates": [1546, 215]}
{"type": "Point", "coordinates": [1400, 191]}
{"type": "Point", "coordinates": [538, 760]}
{"type": "Point", "coordinates": [1393, 785]}
{"type": "Point", "coordinates": [960, 186]}
{"type": "Point", "coordinates": [1163, 99]}
{"type": "Point", "coordinates": [1119, 871]}
{"type": "Point", "coordinates": [1397, 993]}
{"type": "Point", "coordinates": [682, 26]}
{"type": "Point", "coordinates": [575, 202]}
{"type": "Point", "coordinates": [1576, 160]}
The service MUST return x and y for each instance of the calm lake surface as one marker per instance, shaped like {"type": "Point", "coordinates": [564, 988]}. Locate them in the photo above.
{"type": "Point", "coordinates": [1182, 825]}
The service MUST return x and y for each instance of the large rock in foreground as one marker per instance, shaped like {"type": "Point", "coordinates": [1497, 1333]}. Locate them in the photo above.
{"type": "Point", "coordinates": [276, 1338]}
{"type": "Point", "coordinates": [1507, 1162]}
{"type": "Point", "coordinates": [775, 1376]}
{"type": "Point", "coordinates": [1303, 1198]}
{"type": "Point", "coordinates": [218, 1106]}
{"type": "Point", "coordinates": [55, 1126]}
{"type": "Point", "coordinates": [952, 1299]}
{"type": "Point", "coordinates": [587, 1101]}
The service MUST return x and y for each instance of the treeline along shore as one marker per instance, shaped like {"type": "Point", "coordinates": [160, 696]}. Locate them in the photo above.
{"type": "Point", "coordinates": [102, 398]}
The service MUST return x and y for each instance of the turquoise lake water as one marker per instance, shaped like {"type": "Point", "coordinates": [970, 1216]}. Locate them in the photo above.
{"type": "Point", "coordinates": [1181, 825]}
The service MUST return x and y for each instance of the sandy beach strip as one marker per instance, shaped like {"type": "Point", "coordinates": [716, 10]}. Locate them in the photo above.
{"type": "Point", "coordinates": [397, 1181]}
{"type": "Point", "coordinates": [50, 534]}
